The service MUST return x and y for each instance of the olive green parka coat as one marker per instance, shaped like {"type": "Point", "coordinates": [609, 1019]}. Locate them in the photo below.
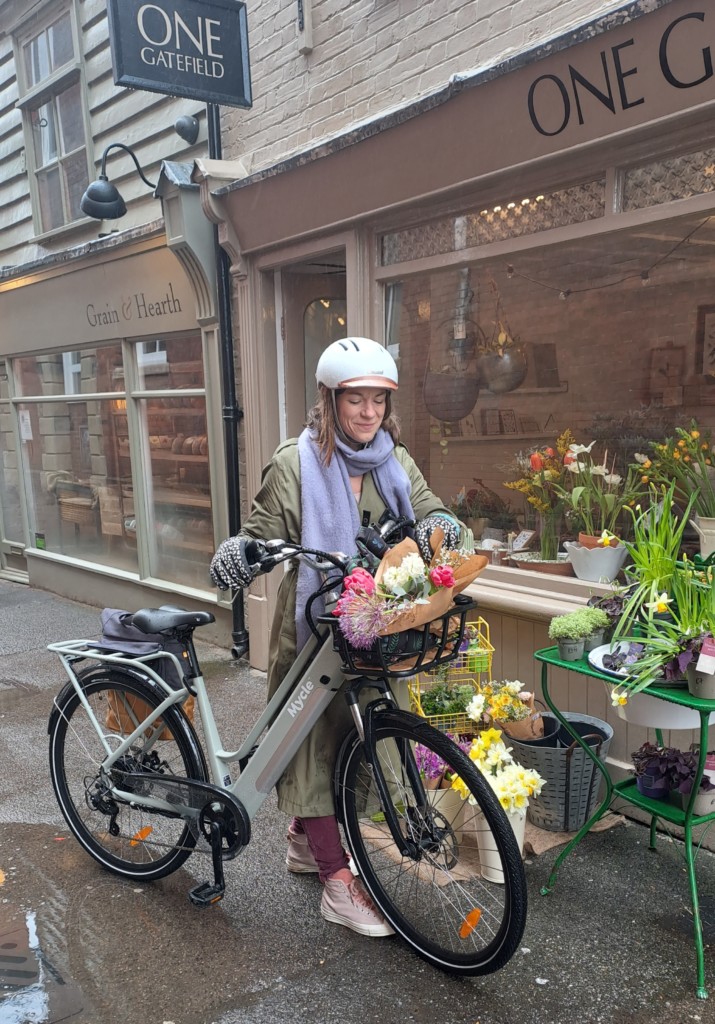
{"type": "Point", "coordinates": [305, 788]}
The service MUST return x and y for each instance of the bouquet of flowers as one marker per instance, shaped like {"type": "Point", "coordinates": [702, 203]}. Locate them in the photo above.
{"type": "Point", "coordinates": [686, 460]}
{"type": "Point", "coordinates": [509, 706]}
{"type": "Point", "coordinates": [542, 482]}
{"type": "Point", "coordinates": [594, 494]}
{"type": "Point", "coordinates": [405, 592]}
{"type": "Point", "coordinates": [512, 783]}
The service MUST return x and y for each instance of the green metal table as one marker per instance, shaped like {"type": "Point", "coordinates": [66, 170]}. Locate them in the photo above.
{"type": "Point", "coordinates": [626, 789]}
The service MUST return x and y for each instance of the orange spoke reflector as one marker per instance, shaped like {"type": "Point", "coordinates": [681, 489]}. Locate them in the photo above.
{"type": "Point", "coordinates": [2, 877]}
{"type": "Point", "coordinates": [143, 833]}
{"type": "Point", "coordinates": [470, 923]}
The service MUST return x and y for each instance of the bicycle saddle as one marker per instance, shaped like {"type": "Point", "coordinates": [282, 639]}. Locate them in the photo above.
{"type": "Point", "coordinates": [161, 620]}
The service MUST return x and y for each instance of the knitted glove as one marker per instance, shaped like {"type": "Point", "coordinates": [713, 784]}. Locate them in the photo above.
{"type": "Point", "coordinates": [423, 532]}
{"type": "Point", "coordinates": [235, 563]}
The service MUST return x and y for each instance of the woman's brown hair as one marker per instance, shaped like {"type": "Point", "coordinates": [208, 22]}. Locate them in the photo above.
{"type": "Point", "coordinates": [323, 424]}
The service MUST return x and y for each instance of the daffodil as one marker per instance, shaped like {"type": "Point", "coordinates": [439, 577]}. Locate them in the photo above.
{"type": "Point", "coordinates": [618, 698]}
{"type": "Point", "coordinates": [606, 539]}
{"type": "Point", "coordinates": [660, 604]}
{"type": "Point", "coordinates": [581, 449]}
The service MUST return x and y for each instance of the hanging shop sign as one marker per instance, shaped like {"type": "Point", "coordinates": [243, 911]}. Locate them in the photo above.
{"type": "Point", "coordinates": [192, 48]}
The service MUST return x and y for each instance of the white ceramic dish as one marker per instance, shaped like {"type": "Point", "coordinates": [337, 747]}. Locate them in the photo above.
{"type": "Point", "coordinates": [643, 709]}
{"type": "Point", "coordinates": [595, 659]}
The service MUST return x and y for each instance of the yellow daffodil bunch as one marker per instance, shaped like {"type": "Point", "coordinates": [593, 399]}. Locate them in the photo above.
{"type": "Point", "coordinates": [512, 783]}
{"type": "Point", "coordinates": [504, 701]}
{"type": "Point", "coordinates": [686, 459]}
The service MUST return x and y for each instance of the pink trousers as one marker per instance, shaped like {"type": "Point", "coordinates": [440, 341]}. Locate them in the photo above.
{"type": "Point", "coordinates": [324, 841]}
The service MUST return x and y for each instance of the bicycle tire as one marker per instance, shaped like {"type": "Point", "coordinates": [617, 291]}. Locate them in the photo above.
{"type": "Point", "coordinates": [148, 846]}
{"type": "Point", "coordinates": [436, 900]}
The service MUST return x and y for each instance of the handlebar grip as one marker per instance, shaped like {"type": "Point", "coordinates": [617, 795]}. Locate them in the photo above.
{"type": "Point", "coordinates": [372, 540]}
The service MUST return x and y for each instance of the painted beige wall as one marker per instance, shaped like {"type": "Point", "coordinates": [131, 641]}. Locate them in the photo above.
{"type": "Point", "coordinates": [370, 56]}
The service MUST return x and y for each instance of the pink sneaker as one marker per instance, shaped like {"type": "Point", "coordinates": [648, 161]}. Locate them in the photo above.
{"type": "Point", "coordinates": [351, 906]}
{"type": "Point", "coordinates": [299, 856]}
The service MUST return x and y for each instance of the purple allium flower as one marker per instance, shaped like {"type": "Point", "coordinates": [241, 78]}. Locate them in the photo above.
{"type": "Point", "coordinates": [362, 618]}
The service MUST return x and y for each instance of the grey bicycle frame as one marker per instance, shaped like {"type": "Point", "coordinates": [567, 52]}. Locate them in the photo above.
{"type": "Point", "coordinates": [313, 681]}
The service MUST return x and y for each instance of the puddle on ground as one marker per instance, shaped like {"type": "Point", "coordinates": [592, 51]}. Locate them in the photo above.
{"type": "Point", "coordinates": [32, 990]}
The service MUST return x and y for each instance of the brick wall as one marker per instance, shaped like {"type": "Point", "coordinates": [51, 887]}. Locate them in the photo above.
{"type": "Point", "coordinates": [371, 55]}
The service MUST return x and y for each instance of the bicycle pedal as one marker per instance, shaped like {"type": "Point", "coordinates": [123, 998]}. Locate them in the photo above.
{"type": "Point", "coordinates": [206, 894]}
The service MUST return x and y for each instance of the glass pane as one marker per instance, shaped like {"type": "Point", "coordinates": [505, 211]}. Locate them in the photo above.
{"type": "Point", "coordinates": [44, 134]}
{"type": "Point", "coordinates": [63, 373]}
{"type": "Point", "coordinates": [664, 181]}
{"type": "Point", "coordinates": [61, 46]}
{"type": "Point", "coordinates": [611, 340]}
{"type": "Point", "coordinates": [74, 169]}
{"type": "Point", "coordinates": [512, 217]}
{"type": "Point", "coordinates": [179, 489]}
{"type": "Point", "coordinates": [324, 321]}
{"type": "Point", "coordinates": [50, 188]}
{"type": "Point", "coordinates": [37, 60]}
{"type": "Point", "coordinates": [169, 363]}
{"type": "Point", "coordinates": [78, 488]}
{"type": "Point", "coordinates": [10, 511]}
{"type": "Point", "coordinates": [69, 104]}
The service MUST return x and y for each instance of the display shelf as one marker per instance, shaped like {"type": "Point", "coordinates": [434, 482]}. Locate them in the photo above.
{"type": "Point", "coordinates": [627, 790]}
{"type": "Point", "coordinates": [460, 439]}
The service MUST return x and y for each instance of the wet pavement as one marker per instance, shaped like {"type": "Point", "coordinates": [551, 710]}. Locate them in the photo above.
{"type": "Point", "coordinates": [611, 944]}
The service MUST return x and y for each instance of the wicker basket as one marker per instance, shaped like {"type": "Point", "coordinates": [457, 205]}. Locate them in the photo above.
{"type": "Point", "coordinates": [573, 781]}
{"type": "Point", "coordinates": [470, 667]}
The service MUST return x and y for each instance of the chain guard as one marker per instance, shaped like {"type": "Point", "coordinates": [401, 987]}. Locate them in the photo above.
{"type": "Point", "coordinates": [198, 803]}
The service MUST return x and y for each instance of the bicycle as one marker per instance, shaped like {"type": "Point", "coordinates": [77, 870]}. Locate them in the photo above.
{"type": "Point", "coordinates": [140, 795]}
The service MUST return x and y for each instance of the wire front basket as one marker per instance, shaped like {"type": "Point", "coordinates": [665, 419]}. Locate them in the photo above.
{"type": "Point", "coordinates": [400, 655]}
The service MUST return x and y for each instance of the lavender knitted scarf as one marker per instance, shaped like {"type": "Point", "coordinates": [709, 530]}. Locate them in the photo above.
{"type": "Point", "coordinates": [329, 512]}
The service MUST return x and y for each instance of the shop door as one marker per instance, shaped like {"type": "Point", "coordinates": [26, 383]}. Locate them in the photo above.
{"type": "Point", "coordinates": [314, 314]}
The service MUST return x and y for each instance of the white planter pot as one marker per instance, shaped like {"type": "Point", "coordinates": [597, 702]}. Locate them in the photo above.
{"type": "Point", "coordinates": [651, 712]}
{"type": "Point", "coordinates": [700, 684]}
{"type": "Point", "coordinates": [705, 529]}
{"type": "Point", "coordinates": [489, 859]}
{"type": "Point", "coordinates": [704, 802]}
{"type": "Point", "coordinates": [570, 650]}
{"type": "Point", "coordinates": [598, 565]}
{"type": "Point", "coordinates": [451, 806]}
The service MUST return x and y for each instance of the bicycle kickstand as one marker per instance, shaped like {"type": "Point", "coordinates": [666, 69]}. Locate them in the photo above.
{"type": "Point", "coordinates": [206, 894]}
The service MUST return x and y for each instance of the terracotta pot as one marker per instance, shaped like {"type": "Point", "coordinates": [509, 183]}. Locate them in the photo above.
{"type": "Point", "coordinates": [450, 396]}
{"type": "Point", "coordinates": [532, 561]}
{"type": "Point", "coordinates": [502, 373]}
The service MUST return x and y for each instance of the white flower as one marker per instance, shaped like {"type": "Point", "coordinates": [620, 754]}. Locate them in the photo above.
{"type": "Point", "coordinates": [475, 708]}
{"type": "Point", "coordinates": [618, 698]}
{"type": "Point", "coordinates": [575, 467]}
{"type": "Point", "coordinates": [640, 458]}
{"type": "Point", "coordinates": [512, 686]}
{"type": "Point", "coordinates": [613, 479]}
{"type": "Point", "coordinates": [581, 449]}
{"type": "Point", "coordinates": [598, 470]}
{"type": "Point", "coordinates": [660, 604]}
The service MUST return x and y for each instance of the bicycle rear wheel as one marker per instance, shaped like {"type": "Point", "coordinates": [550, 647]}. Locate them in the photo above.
{"type": "Point", "coordinates": [129, 841]}
{"type": "Point", "coordinates": [436, 897]}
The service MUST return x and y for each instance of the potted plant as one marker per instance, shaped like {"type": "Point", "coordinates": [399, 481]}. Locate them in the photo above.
{"type": "Point", "coordinates": [611, 604]}
{"type": "Point", "coordinates": [570, 631]}
{"type": "Point", "coordinates": [594, 497]}
{"type": "Point", "coordinates": [655, 768]}
{"type": "Point", "coordinates": [478, 507]}
{"type": "Point", "coordinates": [541, 477]}
{"type": "Point", "coordinates": [684, 780]}
{"type": "Point", "coordinates": [685, 460]}
{"type": "Point", "coordinates": [438, 785]}
{"type": "Point", "coordinates": [509, 707]}
{"type": "Point", "coordinates": [501, 362]}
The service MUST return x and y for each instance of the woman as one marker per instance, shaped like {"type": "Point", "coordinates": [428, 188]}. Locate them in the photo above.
{"type": "Point", "coordinates": [347, 460]}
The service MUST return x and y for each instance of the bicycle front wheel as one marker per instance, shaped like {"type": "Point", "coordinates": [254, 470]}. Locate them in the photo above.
{"type": "Point", "coordinates": [436, 896]}
{"type": "Point", "coordinates": [126, 839]}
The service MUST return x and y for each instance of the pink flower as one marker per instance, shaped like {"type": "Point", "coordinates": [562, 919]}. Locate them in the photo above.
{"type": "Point", "coordinates": [360, 580]}
{"type": "Point", "coordinates": [442, 576]}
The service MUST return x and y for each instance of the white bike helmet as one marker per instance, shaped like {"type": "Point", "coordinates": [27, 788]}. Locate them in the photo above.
{"type": "Point", "coordinates": [355, 363]}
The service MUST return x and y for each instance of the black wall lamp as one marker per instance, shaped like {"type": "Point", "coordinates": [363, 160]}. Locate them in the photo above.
{"type": "Point", "coordinates": [102, 199]}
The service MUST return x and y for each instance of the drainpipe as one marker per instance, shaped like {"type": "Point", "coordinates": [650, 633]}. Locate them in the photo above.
{"type": "Point", "coordinates": [232, 414]}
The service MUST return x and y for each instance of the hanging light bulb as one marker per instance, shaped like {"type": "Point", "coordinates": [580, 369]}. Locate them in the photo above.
{"type": "Point", "coordinates": [645, 278]}
{"type": "Point", "coordinates": [509, 270]}
{"type": "Point", "coordinates": [563, 295]}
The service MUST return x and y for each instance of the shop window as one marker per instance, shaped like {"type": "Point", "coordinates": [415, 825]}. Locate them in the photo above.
{"type": "Point", "coordinates": [617, 336]}
{"type": "Point", "coordinates": [663, 181]}
{"type": "Point", "coordinates": [11, 527]}
{"type": "Point", "coordinates": [511, 217]}
{"type": "Point", "coordinates": [70, 373]}
{"type": "Point", "coordinates": [173, 363]}
{"type": "Point", "coordinates": [51, 90]}
{"type": "Point", "coordinates": [75, 483]}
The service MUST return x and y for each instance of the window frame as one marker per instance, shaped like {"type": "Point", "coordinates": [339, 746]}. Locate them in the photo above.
{"type": "Point", "coordinates": [32, 97]}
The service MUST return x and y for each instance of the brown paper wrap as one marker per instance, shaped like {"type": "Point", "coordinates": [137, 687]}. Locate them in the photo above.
{"type": "Point", "coordinates": [531, 728]}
